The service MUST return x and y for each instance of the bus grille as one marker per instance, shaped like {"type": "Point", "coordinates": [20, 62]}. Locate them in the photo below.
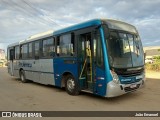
{"type": "Point", "coordinates": [125, 73]}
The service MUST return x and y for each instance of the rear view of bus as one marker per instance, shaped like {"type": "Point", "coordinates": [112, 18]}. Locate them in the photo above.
{"type": "Point", "coordinates": [125, 56]}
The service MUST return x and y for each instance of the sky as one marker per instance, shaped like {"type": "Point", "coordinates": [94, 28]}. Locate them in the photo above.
{"type": "Point", "coordinates": [20, 19]}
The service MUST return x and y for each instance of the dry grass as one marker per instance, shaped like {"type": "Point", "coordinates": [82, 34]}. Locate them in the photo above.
{"type": "Point", "coordinates": [154, 66]}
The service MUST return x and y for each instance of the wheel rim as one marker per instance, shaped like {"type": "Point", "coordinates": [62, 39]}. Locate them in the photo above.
{"type": "Point", "coordinates": [70, 84]}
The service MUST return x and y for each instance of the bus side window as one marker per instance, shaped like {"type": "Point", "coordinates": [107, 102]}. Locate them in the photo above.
{"type": "Point", "coordinates": [58, 48]}
{"type": "Point", "coordinates": [51, 47]}
{"type": "Point", "coordinates": [30, 53]}
{"type": "Point", "coordinates": [17, 52]}
{"type": "Point", "coordinates": [12, 54]}
{"type": "Point", "coordinates": [65, 45]}
{"type": "Point", "coordinates": [54, 47]}
{"type": "Point", "coordinates": [24, 51]}
{"type": "Point", "coordinates": [20, 54]}
{"type": "Point", "coordinates": [72, 44]}
{"type": "Point", "coordinates": [98, 47]}
{"type": "Point", "coordinates": [48, 47]}
{"type": "Point", "coordinates": [36, 49]}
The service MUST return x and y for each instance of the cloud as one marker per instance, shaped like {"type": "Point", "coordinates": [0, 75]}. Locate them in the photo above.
{"type": "Point", "coordinates": [20, 19]}
{"type": "Point", "coordinates": [149, 30]}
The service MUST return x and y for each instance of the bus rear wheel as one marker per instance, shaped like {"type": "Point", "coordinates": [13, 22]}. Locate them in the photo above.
{"type": "Point", "coordinates": [71, 85]}
{"type": "Point", "coordinates": [22, 76]}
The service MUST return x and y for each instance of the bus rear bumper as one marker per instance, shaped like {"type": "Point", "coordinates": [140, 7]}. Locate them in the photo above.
{"type": "Point", "coordinates": [114, 89]}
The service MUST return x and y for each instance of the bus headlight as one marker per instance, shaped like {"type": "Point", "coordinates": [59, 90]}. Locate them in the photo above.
{"type": "Point", "coordinates": [115, 77]}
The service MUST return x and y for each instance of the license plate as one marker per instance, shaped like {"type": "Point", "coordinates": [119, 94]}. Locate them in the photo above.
{"type": "Point", "coordinates": [133, 86]}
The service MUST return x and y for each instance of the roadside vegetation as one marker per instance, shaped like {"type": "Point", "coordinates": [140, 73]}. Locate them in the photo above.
{"type": "Point", "coordinates": [155, 65]}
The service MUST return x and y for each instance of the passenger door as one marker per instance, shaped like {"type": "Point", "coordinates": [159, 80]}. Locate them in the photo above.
{"type": "Point", "coordinates": [85, 56]}
{"type": "Point", "coordinates": [91, 67]}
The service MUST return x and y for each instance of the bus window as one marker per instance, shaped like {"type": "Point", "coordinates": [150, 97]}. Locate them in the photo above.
{"type": "Point", "coordinates": [36, 49]}
{"type": "Point", "coordinates": [11, 54]}
{"type": "Point", "coordinates": [66, 45]}
{"type": "Point", "coordinates": [17, 52]}
{"type": "Point", "coordinates": [24, 51]}
{"type": "Point", "coordinates": [98, 47]}
{"type": "Point", "coordinates": [45, 48]}
{"type": "Point", "coordinates": [30, 50]}
{"type": "Point", "coordinates": [58, 49]}
{"type": "Point", "coordinates": [73, 44]}
{"type": "Point", "coordinates": [48, 47]}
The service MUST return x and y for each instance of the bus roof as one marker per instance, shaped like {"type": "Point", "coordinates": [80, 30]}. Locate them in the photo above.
{"type": "Point", "coordinates": [78, 26]}
{"type": "Point", "coordinates": [40, 35]}
{"type": "Point", "coordinates": [86, 24]}
{"type": "Point", "coordinates": [63, 30]}
{"type": "Point", "coordinates": [33, 38]}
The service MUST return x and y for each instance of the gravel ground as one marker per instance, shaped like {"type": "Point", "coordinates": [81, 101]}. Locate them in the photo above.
{"type": "Point", "coordinates": [17, 96]}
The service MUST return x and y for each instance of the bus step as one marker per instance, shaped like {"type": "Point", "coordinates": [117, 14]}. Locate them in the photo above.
{"type": "Point", "coordinates": [82, 81]}
{"type": "Point", "coordinates": [87, 90]}
{"type": "Point", "coordinates": [82, 78]}
{"type": "Point", "coordinates": [90, 85]}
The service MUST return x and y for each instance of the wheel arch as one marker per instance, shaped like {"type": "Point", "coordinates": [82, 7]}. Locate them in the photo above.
{"type": "Point", "coordinates": [63, 78]}
{"type": "Point", "coordinates": [20, 71]}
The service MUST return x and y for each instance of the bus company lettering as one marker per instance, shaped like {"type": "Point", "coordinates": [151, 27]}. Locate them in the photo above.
{"type": "Point", "coordinates": [23, 64]}
{"type": "Point", "coordinates": [124, 80]}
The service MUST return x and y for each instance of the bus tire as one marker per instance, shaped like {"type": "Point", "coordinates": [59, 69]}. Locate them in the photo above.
{"type": "Point", "coordinates": [22, 76]}
{"type": "Point", "coordinates": [71, 85]}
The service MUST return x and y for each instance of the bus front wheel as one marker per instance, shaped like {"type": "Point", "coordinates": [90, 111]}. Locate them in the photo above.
{"type": "Point", "coordinates": [71, 85]}
{"type": "Point", "coordinates": [22, 76]}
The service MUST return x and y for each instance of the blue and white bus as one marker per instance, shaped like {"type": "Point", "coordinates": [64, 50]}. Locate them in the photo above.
{"type": "Point", "coordinates": [101, 56]}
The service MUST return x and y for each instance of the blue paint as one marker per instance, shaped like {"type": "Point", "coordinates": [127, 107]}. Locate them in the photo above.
{"type": "Point", "coordinates": [78, 26]}
{"type": "Point", "coordinates": [105, 57]}
{"type": "Point", "coordinates": [61, 67]}
{"type": "Point", "coordinates": [100, 90]}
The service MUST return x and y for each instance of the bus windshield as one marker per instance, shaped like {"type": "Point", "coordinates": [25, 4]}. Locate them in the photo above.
{"type": "Point", "coordinates": [124, 49]}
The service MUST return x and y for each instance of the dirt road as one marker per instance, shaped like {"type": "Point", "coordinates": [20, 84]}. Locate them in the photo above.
{"type": "Point", "coordinates": [153, 74]}
{"type": "Point", "coordinates": [17, 96]}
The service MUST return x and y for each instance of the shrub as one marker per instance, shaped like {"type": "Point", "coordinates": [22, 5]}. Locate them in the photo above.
{"type": "Point", "coordinates": [155, 66]}
{"type": "Point", "coordinates": [156, 58]}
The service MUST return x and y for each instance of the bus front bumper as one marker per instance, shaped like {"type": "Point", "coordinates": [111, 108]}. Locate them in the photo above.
{"type": "Point", "coordinates": [114, 89]}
